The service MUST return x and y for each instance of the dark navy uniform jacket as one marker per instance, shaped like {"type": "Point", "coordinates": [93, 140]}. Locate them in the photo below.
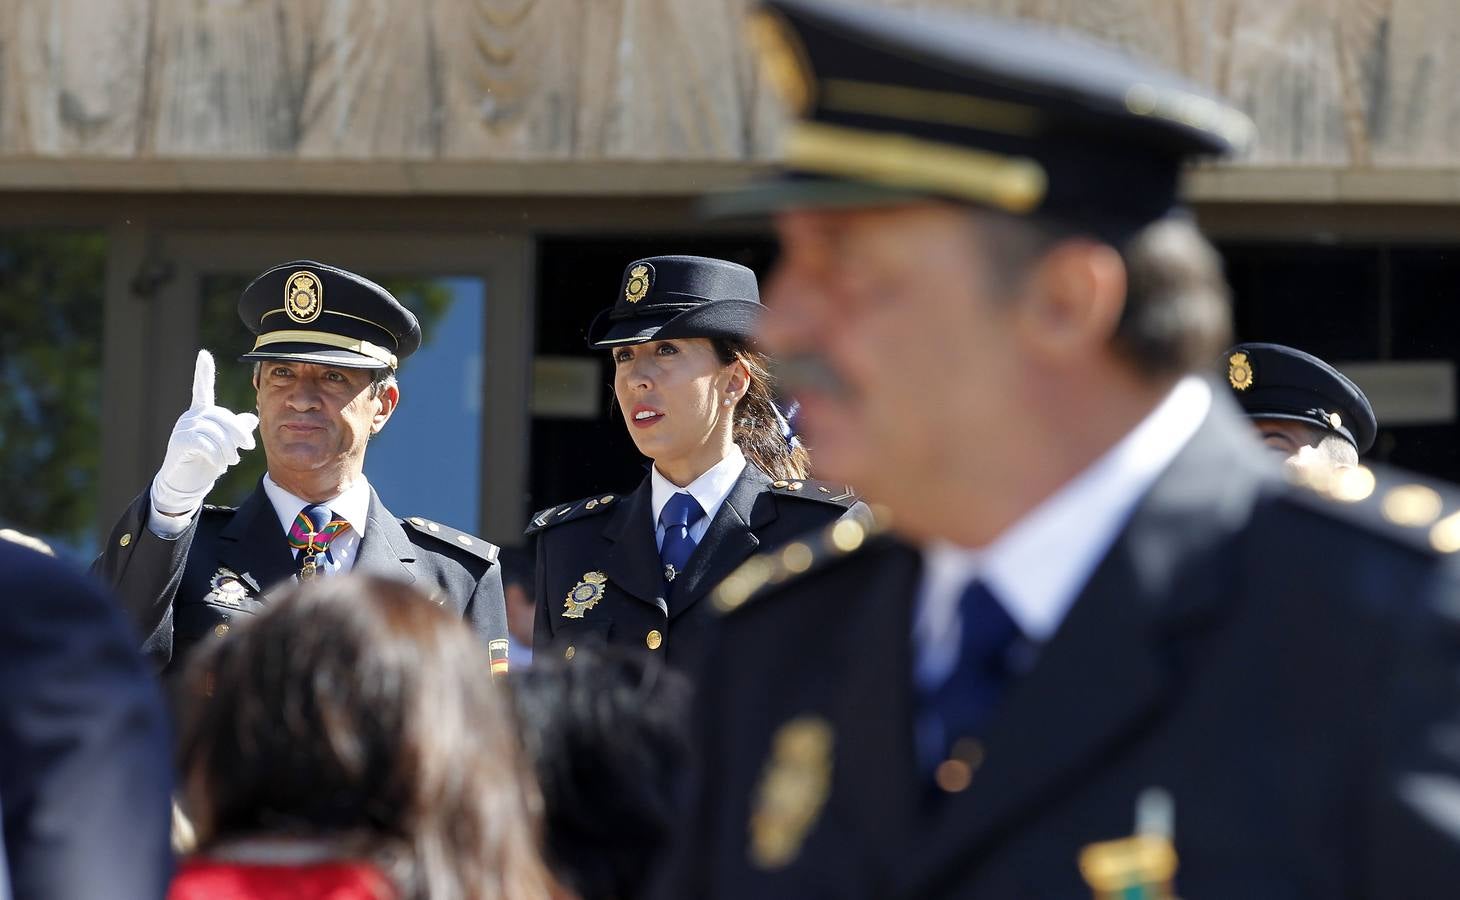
{"type": "Point", "coordinates": [614, 536]}
{"type": "Point", "coordinates": [85, 755]}
{"type": "Point", "coordinates": [189, 590]}
{"type": "Point", "coordinates": [1285, 665]}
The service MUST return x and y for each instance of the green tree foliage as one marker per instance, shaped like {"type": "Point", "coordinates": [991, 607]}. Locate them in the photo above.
{"type": "Point", "coordinates": [51, 299]}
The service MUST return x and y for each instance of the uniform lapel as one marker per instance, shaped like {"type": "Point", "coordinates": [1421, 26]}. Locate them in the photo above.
{"type": "Point", "coordinates": [1107, 673]}
{"type": "Point", "coordinates": [254, 545]}
{"type": "Point", "coordinates": [633, 562]}
{"type": "Point", "coordinates": [384, 548]}
{"type": "Point", "coordinates": [729, 540]}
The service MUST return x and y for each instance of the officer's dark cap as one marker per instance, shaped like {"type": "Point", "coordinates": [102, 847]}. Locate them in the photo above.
{"type": "Point", "coordinates": [889, 107]}
{"type": "Point", "coordinates": [311, 312]}
{"type": "Point", "coordinates": [1272, 381]}
{"type": "Point", "coordinates": [665, 297]}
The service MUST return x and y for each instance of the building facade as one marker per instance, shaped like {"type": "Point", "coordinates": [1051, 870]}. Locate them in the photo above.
{"type": "Point", "coordinates": [497, 162]}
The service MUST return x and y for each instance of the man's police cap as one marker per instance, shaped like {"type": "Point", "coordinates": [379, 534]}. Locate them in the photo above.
{"type": "Point", "coordinates": [666, 297]}
{"type": "Point", "coordinates": [311, 312]}
{"type": "Point", "coordinates": [1272, 381]}
{"type": "Point", "coordinates": [889, 107]}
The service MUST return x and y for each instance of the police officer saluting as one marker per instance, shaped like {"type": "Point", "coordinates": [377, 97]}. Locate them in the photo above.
{"type": "Point", "coordinates": [727, 480]}
{"type": "Point", "coordinates": [325, 358]}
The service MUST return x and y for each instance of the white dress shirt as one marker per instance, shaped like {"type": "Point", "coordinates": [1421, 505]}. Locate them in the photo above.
{"type": "Point", "coordinates": [353, 506]}
{"type": "Point", "coordinates": [709, 491]}
{"type": "Point", "coordinates": [1039, 565]}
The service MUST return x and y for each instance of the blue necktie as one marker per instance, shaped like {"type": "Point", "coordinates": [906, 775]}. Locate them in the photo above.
{"type": "Point", "coordinates": [677, 517]}
{"type": "Point", "coordinates": [963, 704]}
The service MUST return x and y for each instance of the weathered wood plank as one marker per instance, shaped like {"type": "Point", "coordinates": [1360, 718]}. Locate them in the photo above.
{"type": "Point", "coordinates": [71, 76]}
{"type": "Point", "coordinates": [1356, 84]}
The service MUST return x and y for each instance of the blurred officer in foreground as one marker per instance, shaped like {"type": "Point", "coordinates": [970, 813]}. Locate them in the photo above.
{"type": "Point", "coordinates": [1107, 645]}
{"type": "Point", "coordinates": [324, 360]}
{"type": "Point", "coordinates": [85, 757]}
{"type": "Point", "coordinates": [726, 481]}
{"type": "Point", "coordinates": [1303, 408]}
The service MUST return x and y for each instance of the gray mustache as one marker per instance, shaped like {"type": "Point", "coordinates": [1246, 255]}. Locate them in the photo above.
{"type": "Point", "coordinates": [808, 372]}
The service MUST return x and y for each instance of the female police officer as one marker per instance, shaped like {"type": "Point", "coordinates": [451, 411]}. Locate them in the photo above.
{"type": "Point", "coordinates": [727, 479]}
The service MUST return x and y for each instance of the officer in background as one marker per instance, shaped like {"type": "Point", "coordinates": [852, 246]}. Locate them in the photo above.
{"type": "Point", "coordinates": [328, 344]}
{"type": "Point", "coordinates": [1106, 648]}
{"type": "Point", "coordinates": [1302, 407]}
{"type": "Point", "coordinates": [727, 478]}
{"type": "Point", "coordinates": [85, 755]}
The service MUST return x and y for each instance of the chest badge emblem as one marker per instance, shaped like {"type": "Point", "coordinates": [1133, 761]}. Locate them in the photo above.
{"type": "Point", "coordinates": [226, 587]}
{"type": "Point", "coordinates": [584, 595]}
{"type": "Point", "coordinates": [793, 788]}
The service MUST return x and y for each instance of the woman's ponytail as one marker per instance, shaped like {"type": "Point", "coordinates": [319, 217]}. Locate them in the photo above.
{"type": "Point", "coordinates": [761, 431]}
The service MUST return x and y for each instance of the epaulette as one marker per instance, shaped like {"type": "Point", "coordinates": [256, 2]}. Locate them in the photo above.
{"type": "Point", "coordinates": [567, 512]}
{"type": "Point", "coordinates": [759, 573]}
{"type": "Point", "coordinates": [460, 539]}
{"type": "Point", "coordinates": [809, 489]}
{"type": "Point", "coordinates": [1409, 509]}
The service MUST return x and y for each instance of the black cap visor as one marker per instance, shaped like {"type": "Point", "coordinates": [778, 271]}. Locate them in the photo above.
{"type": "Point", "coordinates": [313, 353]}
{"type": "Point", "coordinates": [800, 191]}
{"type": "Point", "coordinates": [728, 319]}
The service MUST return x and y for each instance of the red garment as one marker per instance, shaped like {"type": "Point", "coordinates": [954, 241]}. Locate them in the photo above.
{"type": "Point", "coordinates": [203, 879]}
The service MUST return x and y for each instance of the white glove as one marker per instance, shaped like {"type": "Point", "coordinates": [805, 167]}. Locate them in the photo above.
{"type": "Point", "coordinates": [204, 443]}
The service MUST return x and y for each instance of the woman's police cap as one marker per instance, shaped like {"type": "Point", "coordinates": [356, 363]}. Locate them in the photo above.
{"type": "Point", "coordinates": [1272, 381]}
{"type": "Point", "coordinates": [311, 312]}
{"type": "Point", "coordinates": [889, 107]}
{"type": "Point", "coordinates": [666, 297]}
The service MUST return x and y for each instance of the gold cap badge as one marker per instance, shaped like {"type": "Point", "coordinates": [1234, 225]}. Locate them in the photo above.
{"type": "Point", "coordinates": [1239, 371]}
{"type": "Point", "coordinates": [792, 790]}
{"type": "Point", "coordinates": [782, 60]}
{"type": "Point", "coordinates": [303, 296]}
{"type": "Point", "coordinates": [638, 285]}
{"type": "Point", "coordinates": [584, 595]}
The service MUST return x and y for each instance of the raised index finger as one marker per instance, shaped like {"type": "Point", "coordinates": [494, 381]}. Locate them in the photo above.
{"type": "Point", "coordinates": [203, 374]}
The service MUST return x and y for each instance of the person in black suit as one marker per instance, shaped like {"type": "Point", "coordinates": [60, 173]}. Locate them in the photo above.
{"type": "Point", "coordinates": [85, 755]}
{"type": "Point", "coordinates": [328, 345]}
{"type": "Point", "coordinates": [727, 477]}
{"type": "Point", "coordinates": [1106, 648]}
{"type": "Point", "coordinates": [1303, 409]}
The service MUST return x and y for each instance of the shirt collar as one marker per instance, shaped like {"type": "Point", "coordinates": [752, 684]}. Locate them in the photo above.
{"type": "Point", "coordinates": [1039, 565]}
{"type": "Point", "coordinates": [353, 505]}
{"type": "Point", "coordinates": [709, 490]}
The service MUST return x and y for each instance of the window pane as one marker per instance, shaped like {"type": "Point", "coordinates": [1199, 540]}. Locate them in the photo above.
{"type": "Point", "coordinates": [427, 460]}
{"type": "Point", "coordinates": [51, 305]}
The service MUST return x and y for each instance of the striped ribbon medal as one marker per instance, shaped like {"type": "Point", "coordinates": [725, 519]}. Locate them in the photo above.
{"type": "Point", "coordinates": [311, 534]}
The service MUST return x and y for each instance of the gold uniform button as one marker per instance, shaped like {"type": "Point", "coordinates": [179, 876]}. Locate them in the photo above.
{"type": "Point", "coordinates": [418, 521]}
{"type": "Point", "coordinates": [570, 652]}
{"type": "Point", "coordinates": [465, 541]}
{"type": "Point", "coordinates": [220, 629]}
{"type": "Point", "coordinates": [653, 639]}
{"type": "Point", "coordinates": [608, 499]}
{"type": "Point", "coordinates": [432, 526]}
{"type": "Point", "coordinates": [591, 504]}
{"type": "Point", "coordinates": [126, 539]}
{"type": "Point", "coordinates": [779, 484]}
{"type": "Point", "coordinates": [797, 485]}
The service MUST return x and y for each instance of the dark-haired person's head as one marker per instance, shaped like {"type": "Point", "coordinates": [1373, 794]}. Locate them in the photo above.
{"type": "Point", "coordinates": [357, 711]}
{"type": "Point", "coordinates": [687, 377]}
{"type": "Point", "coordinates": [517, 588]}
{"type": "Point", "coordinates": [604, 733]}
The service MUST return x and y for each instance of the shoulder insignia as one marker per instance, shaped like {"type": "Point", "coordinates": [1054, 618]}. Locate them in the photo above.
{"type": "Point", "coordinates": [451, 536]}
{"type": "Point", "coordinates": [567, 512]}
{"type": "Point", "coordinates": [1413, 510]}
{"type": "Point", "coordinates": [810, 489]}
{"type": "Point", "coordinates": [813, 552]}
